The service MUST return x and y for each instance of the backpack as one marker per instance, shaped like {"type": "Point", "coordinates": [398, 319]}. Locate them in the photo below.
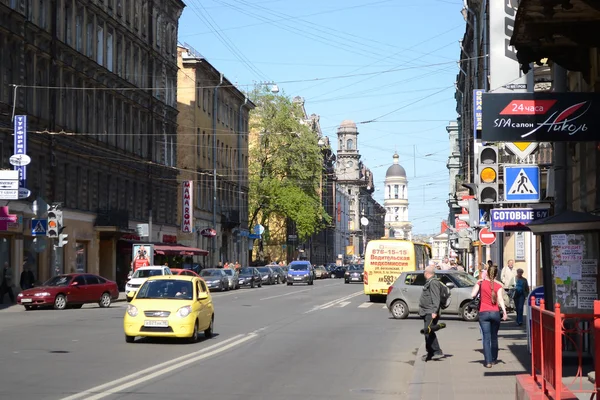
{"type": "Point", "coordinates": [445, 296]}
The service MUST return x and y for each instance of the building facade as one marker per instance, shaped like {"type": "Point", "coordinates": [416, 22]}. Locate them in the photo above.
{"type": "Point", "coordinates": [213, 137]}
{"type": "Point", "coordinates": [342, 223]}
{"type": "Point", "coordinates": [100, 144]}
{"type": "Point", "coordinates": [396, 201]}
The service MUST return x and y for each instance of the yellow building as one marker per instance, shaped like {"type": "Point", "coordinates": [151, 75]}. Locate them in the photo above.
{"type": "Point", "coordinates": [212, 137]}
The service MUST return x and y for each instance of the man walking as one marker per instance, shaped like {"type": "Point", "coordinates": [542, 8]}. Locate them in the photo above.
{"type": "Point", "coordinates": [429, 310]}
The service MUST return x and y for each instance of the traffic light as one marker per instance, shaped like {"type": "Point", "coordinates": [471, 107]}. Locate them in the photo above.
{"type": "Point", "coordinates": [62, 239]}
{"type": "Point", "coordinates": [472, 217]}
{"type": "Point", "coordinates": [55, 221]}
{"type": "Point", "coordinates": [487, 175]}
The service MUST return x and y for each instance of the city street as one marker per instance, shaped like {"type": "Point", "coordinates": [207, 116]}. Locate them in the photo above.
{"type": "Point", "coordinates": [277, 342]}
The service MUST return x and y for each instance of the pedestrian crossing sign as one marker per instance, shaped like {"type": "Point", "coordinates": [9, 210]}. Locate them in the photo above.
{"type": "Point", "coordinates": [522, 184]}
{"type": "Point", "coordinates": [39, 227]}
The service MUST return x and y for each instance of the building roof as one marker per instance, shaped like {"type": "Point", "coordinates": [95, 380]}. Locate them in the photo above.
{"type": "Point", "coordinates": [396, 170]}
{"type": "Point", "coordinates": [348, 123]}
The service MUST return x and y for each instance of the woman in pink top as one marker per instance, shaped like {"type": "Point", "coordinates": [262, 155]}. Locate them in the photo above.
{"type": "Point", "coordinates": [491, 297]}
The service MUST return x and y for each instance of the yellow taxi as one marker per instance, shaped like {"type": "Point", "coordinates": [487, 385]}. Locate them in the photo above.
{"type": "Point", "coordinates": [177, 306]}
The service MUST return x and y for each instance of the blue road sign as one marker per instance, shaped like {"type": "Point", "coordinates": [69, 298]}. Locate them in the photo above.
{"type": "Point", "coordinates": [522, 183]}
{"type": "Point", "coordinates": [515, 219]}
{"type": "Point", "coordinates": [39, 227]}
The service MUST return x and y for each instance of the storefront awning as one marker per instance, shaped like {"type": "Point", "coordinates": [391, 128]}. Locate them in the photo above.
{"type": "Point", "coordinates": [178, 250]}
{"type": "Point", "coordinates": [560, 30]}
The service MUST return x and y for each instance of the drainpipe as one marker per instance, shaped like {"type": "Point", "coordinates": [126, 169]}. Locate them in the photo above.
{"type": "Point", "coordinates": [239, 175]}
{"type": "Point", "coordinates": [214, 145]}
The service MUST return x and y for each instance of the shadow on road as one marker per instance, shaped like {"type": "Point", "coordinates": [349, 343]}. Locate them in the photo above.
{"type": "Point", "coordinates": [174, 341]}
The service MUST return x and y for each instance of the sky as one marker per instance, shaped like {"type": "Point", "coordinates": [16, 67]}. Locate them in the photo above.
{"type": "Point", "coordinates": [388, 65]}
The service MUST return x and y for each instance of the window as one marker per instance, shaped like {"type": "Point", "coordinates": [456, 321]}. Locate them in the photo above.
{"type": "Point", "coordinates": [79, 29]}
{"type": "Point", "coordinates": [109, 50]}
{"type": "Point", "coordinates": [89, 51]}
{"type": "Point", "coordinates": [349, 144]}
{"type": "Point", "coordinates": [100, 44]}
{"type": "Point", "coordinates": [92, 280]}
{"type": "Point", "coordinates": [119, 7]}
{"type": "Point", "coordinates": [79, 280]}
{"type": "Point", "coordinates": [205, 99]}
{"type": "Point", "coordinates": [158, 31]}
{"type": "Point", "coordinates": [119, 55]}
{"type": "Point", "coordinates": [396, 191]}
{"type": "Point", "coordinates": [68, 25]}
{"type": "Point", "coordinates": [42, 13]}
{"type": "Point", "coordinates": [202, 286]}
{"type": "Point", "coordinates": [415, 279]}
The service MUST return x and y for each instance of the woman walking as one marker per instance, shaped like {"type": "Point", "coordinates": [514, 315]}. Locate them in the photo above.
{"type": "Point", "coordinates": [491, 296]}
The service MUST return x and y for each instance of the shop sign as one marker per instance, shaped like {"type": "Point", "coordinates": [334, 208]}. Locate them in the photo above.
{"type": "Point", "coordinates": [541, 117]}
{"type": "Point", "coordinates": [169, 238]}
{"type": "Point", "coordinates": [515, 219]}
{"type": "Point", "coordinates": [6, 218]}
{"type": "Point", "coordinates": [187, 211]}
{"type": "Point", "coordinates": [20, 147]}
{"type": "Point", "coordinates": [208, 232]}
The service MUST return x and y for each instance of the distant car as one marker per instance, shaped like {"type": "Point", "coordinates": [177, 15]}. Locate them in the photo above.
{"type": "Point", "coordinates": [70, 291]}
{"type": "Point", "coordinates": [215, 278]}
{"type": "Point", "coordinates": [233, 277]}
{"type": "Point", "coordinates": [337, 272]}
{"type": "Point", "coordinates": [249, 276]}
{"type": "Point", "coordinates": [403, 296]}
{"type": "Point", "coordinates": [354, 273]}
{"type": "Point", "coordinates": [321, 272]}
{"type": "Point", "coordinates": [300, 272]}
{"type": "Point", "coordinates": [141, 274]}
{"type": "Point", "coordinates": [185, 272]}
{"type": "Point", "coordinates": [268, 275]}
{"type": "Point", "coordinates": [170, 306]}
{"type": "Point", "coordinates": [280, 274]}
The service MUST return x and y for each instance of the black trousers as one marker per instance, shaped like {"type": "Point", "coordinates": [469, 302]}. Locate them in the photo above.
{"type": "Point", "coordinates": [431, 342]}
{"type": "Point", "coordinates": [4, 290]}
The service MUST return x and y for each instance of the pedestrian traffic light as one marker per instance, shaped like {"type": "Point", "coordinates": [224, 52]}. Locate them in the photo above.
{"type": "Point", "coordinates": [62, 239]}
{"type": "Point", "coordinates": [55, 220]}
{"type": "Point", "coordinates": [487, 174]}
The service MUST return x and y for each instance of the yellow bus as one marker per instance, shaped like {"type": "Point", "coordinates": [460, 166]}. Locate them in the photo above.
{"type": "Point", "coordinates": [386, 259]}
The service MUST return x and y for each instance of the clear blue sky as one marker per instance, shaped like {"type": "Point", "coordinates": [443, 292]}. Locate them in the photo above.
{"type": "Point", "coordinates": [392, 62]}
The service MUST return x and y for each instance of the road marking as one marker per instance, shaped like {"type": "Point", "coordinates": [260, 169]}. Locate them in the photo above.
{"type": "Point", "coordinates": [384, 307]}
{"type": "Point", "coordinates": [365, 305]}
{"type": "Point", "coordinates": [333, 302]}
{"type": "Point", "coordinates": [163, 367]}
{"type": "Point", "coordinates": [286, 294]}
{"type": "Point", "coordinates": [343, 304]}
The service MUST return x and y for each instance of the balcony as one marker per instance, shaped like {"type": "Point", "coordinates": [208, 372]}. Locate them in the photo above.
{"type": "Point", "coordinates": [230, 219]}
{"type": "Point", "coordinates": [113, 218]}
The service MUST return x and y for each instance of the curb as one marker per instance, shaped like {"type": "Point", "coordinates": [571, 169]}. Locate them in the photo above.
{"type": "Point", "coordinates": [415, 387]}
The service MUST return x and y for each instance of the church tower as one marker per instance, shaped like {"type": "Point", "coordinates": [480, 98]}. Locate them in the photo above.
{"type": "Point", "coordinates": [396, 201]}
{"type": "Point", "coordinates": [348, 157]}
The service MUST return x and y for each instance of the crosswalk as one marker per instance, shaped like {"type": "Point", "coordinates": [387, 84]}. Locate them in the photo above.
{"type": "Point", "coordinates": [366, 304]}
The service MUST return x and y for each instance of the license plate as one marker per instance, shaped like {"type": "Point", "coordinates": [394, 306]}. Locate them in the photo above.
{"type": "Point", "coordinates": [26, 300]}
{"type": "Point", "coordinates": [355, 279]}
{"type": "Point", "coordinates": [157, 324]}
{"type": "Point", "coordinates": [297, 279]}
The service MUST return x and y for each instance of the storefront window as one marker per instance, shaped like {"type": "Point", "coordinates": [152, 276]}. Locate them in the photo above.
{"type": "Point", "coordinates": [31, 259]}
{"type": "Point", "coordinates": [81, 248]}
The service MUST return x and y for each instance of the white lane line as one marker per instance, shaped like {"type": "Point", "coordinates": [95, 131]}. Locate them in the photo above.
{"type": "Point", "coordinates": [365, 305]}
{"type": "Point", "coordinates": [384, 307]}
{"type": "Point", "coordinates": [333, 302]}
{"type": "Point", "coordinates": [343, 304]}
{"type": "Point", "coordinates": [159, 367]}
{"type": "Point", "coordinates": [286, 294]}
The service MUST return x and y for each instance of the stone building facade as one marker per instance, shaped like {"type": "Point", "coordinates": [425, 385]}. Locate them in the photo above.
{"type": "Point", "coordinates": [396, 201]}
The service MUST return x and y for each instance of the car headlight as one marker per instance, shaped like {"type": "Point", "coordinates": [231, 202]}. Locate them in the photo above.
{"type": "Point", "coordinates": [347, 273]}
{"type": "Point", "coordinates": [132, 310]}
{"type": "Point", "coordinates": [184, 311]}
{"type": "Point", "coordinates": [42, 294]}
{"type": "Point", "coordinates": [20, 295]}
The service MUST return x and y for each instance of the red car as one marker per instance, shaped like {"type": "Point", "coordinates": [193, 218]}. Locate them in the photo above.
{"type": "Point", "coordinates": [177, 271]}
{"type": "Point", "coordinates": [70, 291]}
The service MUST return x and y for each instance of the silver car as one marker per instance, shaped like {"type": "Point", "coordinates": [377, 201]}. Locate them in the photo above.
{"type": "Point", "coordinates": [233, 277]}
{"type": "Point", "coordinates": [404, 294]}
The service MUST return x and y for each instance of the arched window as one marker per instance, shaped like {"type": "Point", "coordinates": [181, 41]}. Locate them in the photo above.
{"type": "Point", "coordinates": [341, 144]}
{"type": "Point", "coordinates": [349, 144]}
{"type": "Point", "coordinates": [388, 192]}
{"type": "Point", "coordinates": [404, 191]}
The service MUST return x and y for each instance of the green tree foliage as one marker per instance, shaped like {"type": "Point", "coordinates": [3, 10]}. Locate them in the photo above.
{"type": "Point", "coordinates": [285, 165]}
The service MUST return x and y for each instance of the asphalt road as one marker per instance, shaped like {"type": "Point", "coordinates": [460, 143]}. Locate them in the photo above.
{"type": "Point", "coordinates": [272, 343]}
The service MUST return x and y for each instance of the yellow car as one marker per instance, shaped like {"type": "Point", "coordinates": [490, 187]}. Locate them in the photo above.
{"type": "Point", "coordinates": [170, 306]}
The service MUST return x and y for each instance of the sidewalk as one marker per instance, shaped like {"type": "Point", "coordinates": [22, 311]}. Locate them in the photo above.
{"type": "Point", "coordinates": [461, 375]}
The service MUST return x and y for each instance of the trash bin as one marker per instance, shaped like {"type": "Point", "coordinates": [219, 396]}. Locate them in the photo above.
{"type": "Point", "coordinates": [538, 293]}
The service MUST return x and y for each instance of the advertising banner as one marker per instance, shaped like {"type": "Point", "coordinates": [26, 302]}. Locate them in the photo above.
{"type": "Point", "coordinates": [143, 255]}
{"type": "Point", "coordinates": [20, 146]}
{"type": "Point", "coordinates": [477, 107]}
{"type": "Point", "coordinates": [541, 117]}
{"type": "Point", "coordinates": [187, 207]}
{"type": "Point", "coordinates": [515, 219]}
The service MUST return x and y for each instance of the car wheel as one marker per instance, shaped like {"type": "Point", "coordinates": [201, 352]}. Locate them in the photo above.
{"type": "Point", "coordinates": [194, 337]}
{"type": "Point", "coordinates": [209, 332]}
{"type": "Point", "coordinates": [311, 282]}
{"type": "Point", "coordinates": [468, 314]}
{"type": "Point", "coordinates": [289, 284]}
{"type": "Point", "coordinates": [105, 300]}
{"type": "Point", "coordinates": [399, 309]}
{"type": "Point", "coordinates": [129, 339]}
{"type": "Point", "coordinates": [60, 302]}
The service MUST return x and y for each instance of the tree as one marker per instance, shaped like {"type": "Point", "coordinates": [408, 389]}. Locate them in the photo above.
{"type": "Point", "coordinates": [285, 165]}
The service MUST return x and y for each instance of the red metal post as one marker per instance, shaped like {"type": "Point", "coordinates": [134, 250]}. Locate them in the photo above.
{"type": "Point", "coordinates": [596, 343]}
{"type": "Point", "coordinates": [531, 328]}
{"type": "Point", "coordinates": [541, 337]}
{"type": "Point", "coordinates": [557, 351]}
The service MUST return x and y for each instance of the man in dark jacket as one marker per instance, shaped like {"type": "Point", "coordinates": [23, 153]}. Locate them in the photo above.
{"type": "Point", "coordinates": [27, 278]}
{"type": "Point", "coordinates": [429, 310]}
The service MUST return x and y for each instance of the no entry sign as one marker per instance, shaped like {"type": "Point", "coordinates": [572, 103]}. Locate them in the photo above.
{"type": "Point", "coordinates": [486, 236]}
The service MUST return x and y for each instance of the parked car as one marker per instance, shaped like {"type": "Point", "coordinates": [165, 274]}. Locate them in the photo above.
{"type": "Point", "coordinates": [141, 274]}
{"type": "Point", "coordinates": [215, 278]}
{"type": "Point", "coordinates": [185, 272]}
{"type": "Point", "coordinates": [233, 277]}
{"type": "Point", "coordinates": [170, 306]}
{"type": "Point", "coordinates": [321, 272]}
{"type": "Point", "coordinates": [300, 272]}
{"type": "Point", "coordinates": [337, 272]}
{"type": "Point", "coordinates": [267, 274]}
{"type": "Point", "coordinates": [249, 276]}
{"type": "Point", "coordinates": [280, 274]}
{"type": "Point", "coordinates": [403, 296]}
{"type": "Point", "coordinates": [354, 273]}
{"type": "Point", "coordinates": [70, 291]}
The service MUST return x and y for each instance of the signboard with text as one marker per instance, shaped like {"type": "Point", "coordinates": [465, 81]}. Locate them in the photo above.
{"type": "Point", "coordinates": [187, 207]}
{"type": "Point", "coordinates": [20, 147]}
{"type": "Point", "coordinates": [515, 219]}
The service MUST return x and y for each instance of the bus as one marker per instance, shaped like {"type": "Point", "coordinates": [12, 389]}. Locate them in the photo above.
{"type": "Point", "coordinates": [386, 259]}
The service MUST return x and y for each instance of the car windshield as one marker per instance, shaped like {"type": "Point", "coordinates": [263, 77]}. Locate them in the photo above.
{"type": "Point", "coordinates": [299, 267]}
{"type": "Point", "coordinates": [61, 280]}
{"type": "Point", "coordinates": [210, 272]}
{"type": "Point", "coordinates": [264, 270]}
{"type": "Point", "coordinates": [229, 272]}
{"type": "Point", "coordinates": [465, 280]}
{"type": "Point", "coordinates": [246, 271]}
{"type": "Point", "coordinates": [166, 289]}
{"type": "Point", "coordinates": [146, 273]}
{"type": "Point", "coordinates": [355, 268]}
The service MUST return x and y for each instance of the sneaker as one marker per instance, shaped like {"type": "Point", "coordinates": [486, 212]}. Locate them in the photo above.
{"type": "Point", "coordinates": [425, 358]}
{"type": "Point", "coordinates": [437, 356]}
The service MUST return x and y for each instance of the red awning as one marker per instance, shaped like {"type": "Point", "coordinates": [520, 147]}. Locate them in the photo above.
{"type": "Point", "coordinates": [178, 250]}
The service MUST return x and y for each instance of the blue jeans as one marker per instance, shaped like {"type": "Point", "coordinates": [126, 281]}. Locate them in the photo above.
{"type": "Point", "coordinates": [490, 325]}
{"type": "Point", "coordinates": [519, 304]}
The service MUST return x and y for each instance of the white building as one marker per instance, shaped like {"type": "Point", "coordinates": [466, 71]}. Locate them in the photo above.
{"type": "Point", "coordinates": [396, 201]}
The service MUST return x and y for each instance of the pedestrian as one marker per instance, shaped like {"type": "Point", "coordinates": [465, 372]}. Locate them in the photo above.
{"type": "Point", "coordinates": [429, 310]}
{"type": "Point", "coordinates": [520, 295]}
{"type": "Point", "coordinates": [6, 284]}
{"type": "Point", "coordinates": [507, 277]}
{"type": "Point", "coordinates": [481, 271]}
{"type": "Point", "coordinates": [491, 296]}
{"type": "Point", "coordinates": [27, 278]}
